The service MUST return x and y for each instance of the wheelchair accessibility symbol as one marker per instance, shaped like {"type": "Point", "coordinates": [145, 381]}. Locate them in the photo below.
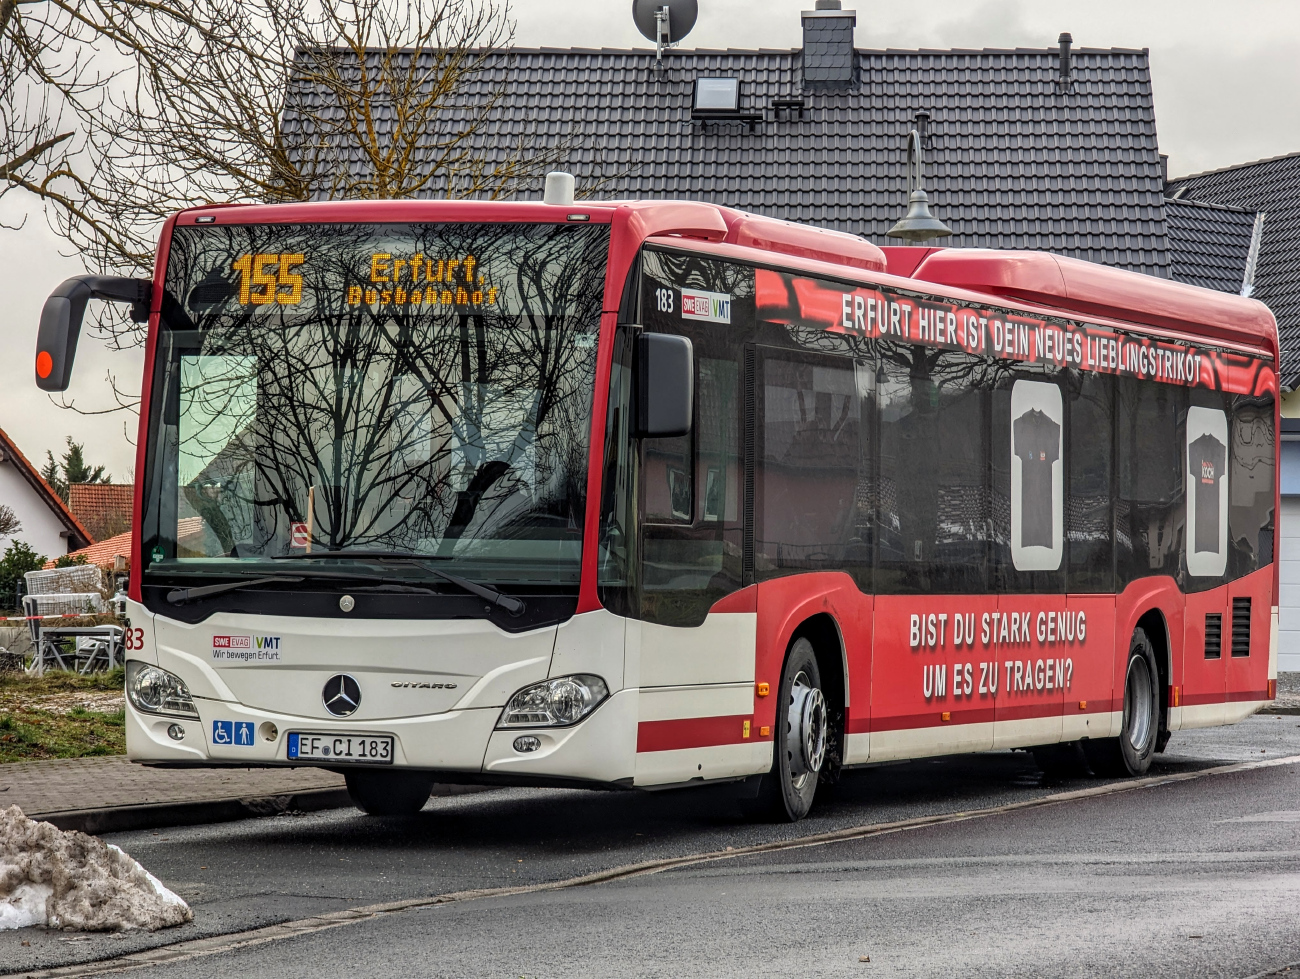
{"type": "Point", "coordinates": [239, 733]}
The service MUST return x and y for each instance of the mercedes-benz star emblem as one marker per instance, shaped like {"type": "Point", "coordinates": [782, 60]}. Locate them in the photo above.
{"type": "Point", "coordinates": [342, 695]}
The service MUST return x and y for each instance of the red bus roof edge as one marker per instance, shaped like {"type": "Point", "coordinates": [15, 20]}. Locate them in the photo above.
{"type": "Point", "coordinates": [1078, 286]}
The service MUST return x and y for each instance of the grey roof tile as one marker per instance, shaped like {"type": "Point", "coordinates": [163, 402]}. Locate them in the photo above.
{"type": "Point", "coordinates": [1012, 162]}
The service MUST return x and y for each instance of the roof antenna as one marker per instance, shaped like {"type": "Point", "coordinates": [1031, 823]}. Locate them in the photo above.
{"type": "Point", "coordinates": [665, 22]}
{"type": "Point", "coordinates": [1067, 79]}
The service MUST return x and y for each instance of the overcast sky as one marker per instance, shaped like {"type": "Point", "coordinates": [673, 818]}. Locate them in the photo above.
{"type": "Point", "coordinates": [1227, 90]}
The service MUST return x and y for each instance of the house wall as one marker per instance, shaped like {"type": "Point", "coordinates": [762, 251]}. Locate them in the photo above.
{"type": "Point", "coordinates": [42, 530]}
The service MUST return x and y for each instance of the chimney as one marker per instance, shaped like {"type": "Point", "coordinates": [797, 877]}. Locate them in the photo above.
{"type": "Point", "coordinates": [830, 62]}
{"type": "Point", "coordinates": [1067, 67]}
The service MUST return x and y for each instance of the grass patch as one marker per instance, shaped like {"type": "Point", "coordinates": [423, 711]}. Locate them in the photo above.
{"type": "Point", "coordinates": [28, 735]}
{"type": "Point", "coordinates": [29, 732]}
{"type": "Point", "coordinates": [23, 685]}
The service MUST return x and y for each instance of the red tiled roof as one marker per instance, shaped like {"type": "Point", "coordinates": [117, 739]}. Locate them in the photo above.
{"type": "Point", "coordinates": [78, 535]}
{"type": "Point", "coordinates": [103, 554]}
{"type": "Point", "coordinates": [103, 508]}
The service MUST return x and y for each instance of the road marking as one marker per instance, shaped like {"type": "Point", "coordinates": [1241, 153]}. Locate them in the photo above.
{"type": "Point", "coordinates": [217, 944]}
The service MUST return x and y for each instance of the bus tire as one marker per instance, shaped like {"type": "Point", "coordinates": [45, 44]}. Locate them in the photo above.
{"type": "Point", "coordinates": [802, 732]}
{"type": "Point", "coordinates": [388, 793]}
{"type": "Point", "coordinates": [1131, 753]}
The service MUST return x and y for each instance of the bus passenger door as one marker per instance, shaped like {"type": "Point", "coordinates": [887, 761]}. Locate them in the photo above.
{"type": "Point", "coordinates": [692, 644]}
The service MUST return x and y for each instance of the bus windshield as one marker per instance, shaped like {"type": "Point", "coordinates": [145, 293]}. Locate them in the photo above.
{"type": "Point", "coordinates": [383, 389]}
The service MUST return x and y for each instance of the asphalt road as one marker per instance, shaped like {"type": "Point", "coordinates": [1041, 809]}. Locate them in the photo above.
{"type": "Point", "coordinates": [1198, 877]}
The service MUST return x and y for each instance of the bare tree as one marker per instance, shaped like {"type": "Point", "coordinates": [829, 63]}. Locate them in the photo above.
{"type": "Point", "coordinates": [247, 100]}
{"type": "Point", "coordinates": [52, 102]}
{"type": "Point", "coordinates": [9, 522]}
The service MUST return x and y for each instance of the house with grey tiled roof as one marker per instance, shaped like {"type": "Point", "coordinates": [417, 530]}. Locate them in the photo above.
{"type": "Point", "coordinates": [1045, 148]}
{"type": "Point", "coordinates": [1270, 188]}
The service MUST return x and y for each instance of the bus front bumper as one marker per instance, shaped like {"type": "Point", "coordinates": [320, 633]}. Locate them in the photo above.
{"type": "Point", "coordinates": [600, 748]}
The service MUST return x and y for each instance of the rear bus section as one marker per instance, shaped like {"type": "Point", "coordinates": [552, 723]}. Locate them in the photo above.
{"type": "Point", "coordinates": [651, 495]}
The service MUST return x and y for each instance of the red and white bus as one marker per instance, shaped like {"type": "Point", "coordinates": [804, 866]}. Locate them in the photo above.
{"type": "Point", "coordinates": [656, 494]}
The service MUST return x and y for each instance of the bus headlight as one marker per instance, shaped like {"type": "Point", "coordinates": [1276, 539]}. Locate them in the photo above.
{"type": "Point", "coordinates": [554, 703]}
{"type": "Point", "coordinates": [156, 691]}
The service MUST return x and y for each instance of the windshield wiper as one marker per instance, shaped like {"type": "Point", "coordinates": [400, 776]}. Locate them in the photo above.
{"type": "Point", "coordinates": [178, 595]}
{"type": "Point", "coordinates": [514, 606]}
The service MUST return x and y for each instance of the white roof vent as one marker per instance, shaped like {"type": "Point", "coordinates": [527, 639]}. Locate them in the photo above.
{"type": "Point", "coordinates": [559, 189]}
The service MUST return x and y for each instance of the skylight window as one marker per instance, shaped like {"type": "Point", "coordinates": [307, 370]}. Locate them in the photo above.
{"type": "Point", "coordinates": [716, 97]}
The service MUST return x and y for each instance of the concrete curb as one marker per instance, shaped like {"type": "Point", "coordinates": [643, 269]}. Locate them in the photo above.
{"type": "Point", "coordinates": [119, 819]}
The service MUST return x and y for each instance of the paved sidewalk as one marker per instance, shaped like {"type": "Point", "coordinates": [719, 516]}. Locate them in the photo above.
{"type": "Point", "coordinates": [98, 794]}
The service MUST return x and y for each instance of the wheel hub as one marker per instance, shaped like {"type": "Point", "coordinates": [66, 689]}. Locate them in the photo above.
{"type": "Point", "coordinates": [806, 728]}
{"type": "Point", "coordinates": [1138, 696]}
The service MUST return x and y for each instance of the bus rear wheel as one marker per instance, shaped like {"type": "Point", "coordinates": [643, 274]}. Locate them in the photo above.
{"type": "Point", "coordinates": [388, 793]}
{"type": "Point", "coordinates": [1132, 751]}
{"type": "Point", "coordinates": [802, 732]}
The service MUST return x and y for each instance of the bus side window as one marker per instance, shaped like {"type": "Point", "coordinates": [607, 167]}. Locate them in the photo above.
{"type": "Point", "coordinates": [812, 469]}
{"type": "Point", "coordinates": [1250, 485]}
{"type": "Point", "coordinates": [1150, 517]}
{"type": "Point", "coordinates": [933, 510]}
{"type": "Point", "coordinates": [691, 556]}
{"type": "Point", "coordinates": [1090, 436]}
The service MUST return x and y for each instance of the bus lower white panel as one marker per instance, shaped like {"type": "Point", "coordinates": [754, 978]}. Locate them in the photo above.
{"type": "Point", "coordinates": [719, 651]}
{"type": "Point", "coordinates": [1101, 725]}
{"type": "Point", "coordinates": [923, 742]}
{"type": "Point", "coordinates": [674, 703]}
{"type": "Point", "coordinates": [1232, 713]}
{"type": "Point", "coordinates": [857, 749]}
{"type": "Point", "coordinates": [1201, 715]}
{"type": "Point", "coordinates": [603, 747]}
{"type": "Point", "coordinates": [717, 761]}
{"type": "Point", "coordinates": [1025, 732]}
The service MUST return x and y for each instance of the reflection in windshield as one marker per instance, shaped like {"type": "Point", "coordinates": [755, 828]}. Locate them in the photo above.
{"type": "Point", "coordinates": [421, 389]}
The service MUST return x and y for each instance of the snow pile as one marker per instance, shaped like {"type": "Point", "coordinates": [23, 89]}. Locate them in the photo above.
{"type": "Point", "coordinates": [77, 882]}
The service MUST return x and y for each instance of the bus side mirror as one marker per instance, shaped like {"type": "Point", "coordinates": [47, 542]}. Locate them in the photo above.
{"type": "Point", "coordinates": [56, 341]}
{"type": "Point", "coordinates": [665, 385]}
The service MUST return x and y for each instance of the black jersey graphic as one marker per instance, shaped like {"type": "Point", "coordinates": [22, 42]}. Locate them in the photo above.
{"type": "Point", "coordinates": [1037, 441]}
{"type": "Point", "coordinates": [1205, 459]}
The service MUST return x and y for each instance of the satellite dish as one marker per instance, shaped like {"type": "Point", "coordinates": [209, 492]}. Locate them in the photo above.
{"type": "Point", "coordinates": [681, 18]}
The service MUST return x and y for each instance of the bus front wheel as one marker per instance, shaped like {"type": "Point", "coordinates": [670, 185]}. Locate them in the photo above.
{"type": "Point", "coordinates": [802, 732]}
{"type": "Point", "coordinates": [1132, 751]}
{"type": "Point", "coordinates": [388, 793]}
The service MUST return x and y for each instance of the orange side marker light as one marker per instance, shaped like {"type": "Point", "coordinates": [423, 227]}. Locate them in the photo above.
{"type": "Point", "coordinates": [44, 364]}
{"type": "Point", "coordinates": [945, 716]}
{"type": "Point", "coordinates": [1083, 705]}
{"type": "Point", "coordinates": [765, 731]}
{"type": "Point", "coordinates": [1177, 694]}
{"type": "Point", "coordinates": [764, 689]}
{"type": "Point", "coordinates": [1272, 690]}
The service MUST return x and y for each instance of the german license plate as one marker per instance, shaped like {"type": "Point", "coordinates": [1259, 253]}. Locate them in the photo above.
{"type": "Point", "coordinates": [365, 749]}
